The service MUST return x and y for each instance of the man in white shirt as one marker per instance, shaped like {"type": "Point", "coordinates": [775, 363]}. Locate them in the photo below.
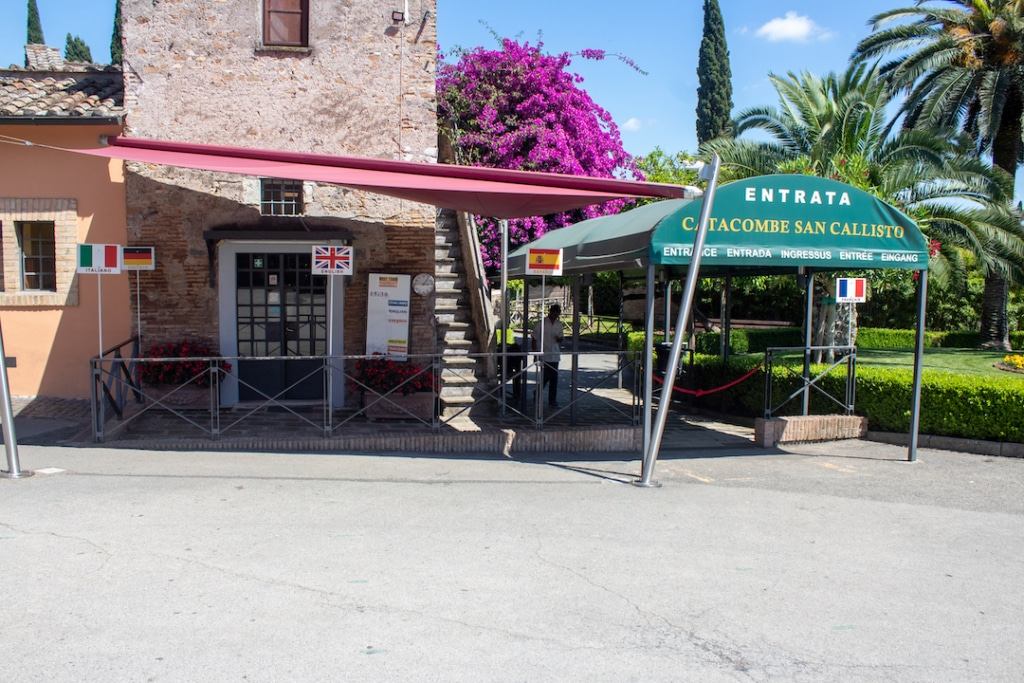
{"type": "Point", "coordinates": [550, 353]}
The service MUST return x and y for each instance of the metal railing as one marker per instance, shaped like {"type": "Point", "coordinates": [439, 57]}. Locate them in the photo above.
{"type": "Point", "coordinates": [200, 394]}
{"type": "Point", "coordinates": [779, 362]}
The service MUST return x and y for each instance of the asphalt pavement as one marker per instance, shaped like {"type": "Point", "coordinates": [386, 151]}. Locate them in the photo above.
{"type": "Point", "coordinates": [832, 562]}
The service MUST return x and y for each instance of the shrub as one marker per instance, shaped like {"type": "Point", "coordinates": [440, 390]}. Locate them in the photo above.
{"type": "Point", "coordinates": [761, 339]}
{"type": "Point", "coordinates": [1017, 340]}
{"type": "Point", "coordinates": [179, 372]}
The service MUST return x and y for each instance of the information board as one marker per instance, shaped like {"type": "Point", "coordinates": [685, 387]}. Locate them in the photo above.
{"type": "Point", "coordinates": [387, 315]}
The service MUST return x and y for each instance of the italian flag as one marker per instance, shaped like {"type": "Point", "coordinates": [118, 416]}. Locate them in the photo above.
{"type": "Point", "coordinates": [95, 257]}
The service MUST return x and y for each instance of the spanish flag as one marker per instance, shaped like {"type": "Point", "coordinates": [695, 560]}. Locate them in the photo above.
{"type": "Point", "coordinates": [544, 262]}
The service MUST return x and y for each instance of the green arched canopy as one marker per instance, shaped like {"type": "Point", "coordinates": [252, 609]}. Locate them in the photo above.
{"type": "Point", "coordinates": [765, 224]}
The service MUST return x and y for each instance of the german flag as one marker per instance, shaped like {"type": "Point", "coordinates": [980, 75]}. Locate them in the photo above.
{"type": "Point", "coordinates": [544, 262]}
{"type": "Point", "coordinates": [139, 258]}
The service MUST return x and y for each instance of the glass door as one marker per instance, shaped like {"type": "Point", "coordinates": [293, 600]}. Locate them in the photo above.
{"type": "Point", "coordinates": [281, 312]}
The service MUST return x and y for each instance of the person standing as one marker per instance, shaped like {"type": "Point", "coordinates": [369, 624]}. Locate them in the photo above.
{"type": "Point", "coordinates": [550, 352]}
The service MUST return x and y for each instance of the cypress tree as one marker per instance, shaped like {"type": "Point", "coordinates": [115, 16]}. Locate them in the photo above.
{"type": "Point", "coordinates": [75, 50]}
{"type": "Point", "coordinates": [116, 56]}
{"type": "Point", "coordinates": [35, 27]}
{"type": "Point", "coordinates": [714, 96]}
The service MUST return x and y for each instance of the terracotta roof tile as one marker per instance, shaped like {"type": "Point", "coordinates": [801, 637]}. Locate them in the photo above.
{"type": "Point", "coordinates": [86, 94]}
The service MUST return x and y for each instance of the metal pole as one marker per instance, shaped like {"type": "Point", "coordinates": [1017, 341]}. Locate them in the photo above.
{"type": "Point", "coordinates": [524, 371]}
{"type": "Point", "coordinates": [727, 316]}
{"type": "Point", "coordinates": [723, 338]}
{"type": "Point", "coordinates": [503, 225]}
{"type": "Point", "coordinates": [575, 347]}
{"type": "Point", "coordinates": [540, 347]}
{"type": "Point", "coordinates": [668, 308]}
{"type": "Point", "coordinates": [13, 470]}
{"type": "Point", "coordinates": [648, 357]}
{"type": "Point", "coordinates": [99, 311]}
{"type": "Point", "coordinates": [622, 313]}
{"type": "Point", "coordinates": [915, 406]}
{"type": "Point", "coordinates": [808, 314]}
{"type": "Point", "coordinates": [682, 319]}
{"type": "Point", "coordinates": [138, 307]}
{"type": "Point", "coordinates": [330, 343]}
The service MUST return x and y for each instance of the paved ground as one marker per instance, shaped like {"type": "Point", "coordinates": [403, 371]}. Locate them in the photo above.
{"type": "Point", "coordinates": [833, 562]}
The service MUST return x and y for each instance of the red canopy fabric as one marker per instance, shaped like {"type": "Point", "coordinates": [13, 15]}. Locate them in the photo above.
{"type": "Point", "coordinates": [493, 192]}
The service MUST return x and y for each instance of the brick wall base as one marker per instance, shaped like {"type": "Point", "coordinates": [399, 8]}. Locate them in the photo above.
{"type": "Point", "coordinates": [769, 433]}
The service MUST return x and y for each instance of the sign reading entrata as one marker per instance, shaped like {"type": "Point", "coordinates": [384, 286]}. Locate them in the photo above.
{"type": "Point", "coordinates": [387, 315]}
{"type": "Point", "coordinates": [138, 258]}
{"type": "Point", "coordinates": [851, 290]}
{"type": "Point", "coordinates": [328, 260]}
{"type": "Point", "coordinates": [102, 259]}
{"type": "Point", "coordinates": [544, 262]}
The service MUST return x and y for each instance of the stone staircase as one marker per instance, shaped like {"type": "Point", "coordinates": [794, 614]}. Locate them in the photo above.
{"type": "Point", "coordinates": [463, 379]}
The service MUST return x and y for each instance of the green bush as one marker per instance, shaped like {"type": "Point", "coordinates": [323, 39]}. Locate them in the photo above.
{"type": "Point", "coordinates": [710, 342]}
{"type": "Point", "coordinates": [964, 406]}
{"type": "Point", "coordinates": [903, 340]}
{"type": "Point", "coordinates": [962, 339]}
{"type": "Point", "coordinates": [1017, 340]}
{"type": "Point", "coordinates": [896, 340]}
{"type": "Point", "coordinates": [760, 339]}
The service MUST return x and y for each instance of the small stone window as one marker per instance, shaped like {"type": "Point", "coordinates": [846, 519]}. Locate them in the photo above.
{"type": "Point", "coordinates": [280, 197]}
{"type": "Point", "coordinates": [38, 256]}
{"type": "Point", "coordinates": [286, 23]}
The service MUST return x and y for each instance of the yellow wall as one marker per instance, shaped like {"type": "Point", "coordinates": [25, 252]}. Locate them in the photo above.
{"type": "Point", "coordinates": [53, 344]}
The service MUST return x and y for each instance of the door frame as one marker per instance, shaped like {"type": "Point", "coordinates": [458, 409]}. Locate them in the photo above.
{"type": "Point", "coordinates": [227, 316]}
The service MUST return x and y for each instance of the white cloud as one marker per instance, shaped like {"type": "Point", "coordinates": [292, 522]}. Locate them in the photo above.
{"type": "Point", "coordinates": [744, 30]}
{"type": "Point", "coordinates": [793, 27]}
{"type": "Point", "coordinates": [632, 124]}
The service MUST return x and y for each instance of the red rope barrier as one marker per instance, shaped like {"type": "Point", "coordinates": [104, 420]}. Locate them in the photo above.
{"type": "Point", "coordinates": [704, 392]}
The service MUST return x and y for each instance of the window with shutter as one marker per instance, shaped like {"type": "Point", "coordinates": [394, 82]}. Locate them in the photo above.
{"type": "Point", "coordinates": [286, 23]}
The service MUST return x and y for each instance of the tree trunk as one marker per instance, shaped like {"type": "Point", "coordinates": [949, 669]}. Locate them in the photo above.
{"type": "Point", "coordinates": [995, 329]}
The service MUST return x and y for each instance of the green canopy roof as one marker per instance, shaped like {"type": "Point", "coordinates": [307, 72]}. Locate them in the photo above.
{"type": "Point", "coordinates": [764, 224]}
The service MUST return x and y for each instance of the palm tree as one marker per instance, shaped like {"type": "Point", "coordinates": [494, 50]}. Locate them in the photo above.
{"type": "Point", "coordinates": [836, 126]}
{"type": "Point", "coordinates": [961, 64]}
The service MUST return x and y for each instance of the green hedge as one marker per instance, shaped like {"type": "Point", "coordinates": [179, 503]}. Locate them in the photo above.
{"type": "Point", "coordinates": [757, 340]}
{"type": "Point", "coordinates": [740, 340]}
{"type": "Point", "coordinates": [903, 340]}
{"type": "Point", "coordinates": [964, 406]}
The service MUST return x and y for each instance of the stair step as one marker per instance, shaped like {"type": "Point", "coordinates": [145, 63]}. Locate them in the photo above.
{"type": "Point", "coordinates": [456, 335]}
{"type": "Point", "coordinates": [458, 360]}
{"type": "Point", "coordinates": [453, 284]}
{"type": "Point", "coordinates": [452, 315]}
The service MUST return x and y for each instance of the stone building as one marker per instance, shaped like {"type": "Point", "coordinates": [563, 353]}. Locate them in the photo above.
{"type": "Point", "coordinates": [314, 76]}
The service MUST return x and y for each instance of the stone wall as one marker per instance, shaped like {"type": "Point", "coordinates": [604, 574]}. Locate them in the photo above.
{"type": "Point", "coordinates": [195, 71]}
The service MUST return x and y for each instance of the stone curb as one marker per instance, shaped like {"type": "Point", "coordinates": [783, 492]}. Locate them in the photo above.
{"type": "Point", "coordinates": [1005, 449]}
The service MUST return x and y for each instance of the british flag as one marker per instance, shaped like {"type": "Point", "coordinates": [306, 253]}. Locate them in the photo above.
{"type": "Point", "coordinates": [332, 260]}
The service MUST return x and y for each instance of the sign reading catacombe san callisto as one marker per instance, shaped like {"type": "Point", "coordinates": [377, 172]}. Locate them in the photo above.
{"type": "Point", "coordinates": [793, 220]}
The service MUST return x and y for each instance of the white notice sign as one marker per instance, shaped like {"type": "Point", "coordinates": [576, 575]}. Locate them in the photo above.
{"type": "Point", "coordinates": [387, 315]}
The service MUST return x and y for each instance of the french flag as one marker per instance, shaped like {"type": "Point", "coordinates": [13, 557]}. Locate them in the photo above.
{"type": "Point", "coordinates": [851, 287]}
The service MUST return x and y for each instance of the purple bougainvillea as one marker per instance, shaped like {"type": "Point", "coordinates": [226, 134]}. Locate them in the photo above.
{"type": "Point", "coordinates": [521, 108]}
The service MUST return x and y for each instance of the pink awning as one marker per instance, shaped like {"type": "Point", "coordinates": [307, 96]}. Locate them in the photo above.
{"type": "Point", "coordinates": [494, 192]}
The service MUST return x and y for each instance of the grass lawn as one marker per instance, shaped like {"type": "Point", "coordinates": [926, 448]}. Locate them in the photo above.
{"type": "Point", "coordinates": [961, 361]}
{"type": "Point", "coordinates": [964, 361]}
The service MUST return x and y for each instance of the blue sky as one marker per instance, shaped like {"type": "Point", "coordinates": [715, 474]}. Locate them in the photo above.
{"type": "Point", "coordinates": [662, 36]}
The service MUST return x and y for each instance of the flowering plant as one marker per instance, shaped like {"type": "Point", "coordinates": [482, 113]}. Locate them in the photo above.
{"type": "Point", "coordinates": [384, 374]}
{"type": "Point", "coordinates": [1015, 361]}
{"type": "Point", "coordinates": [520, 108]}
{"type": "Point", "coordinates": [179, 372]}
